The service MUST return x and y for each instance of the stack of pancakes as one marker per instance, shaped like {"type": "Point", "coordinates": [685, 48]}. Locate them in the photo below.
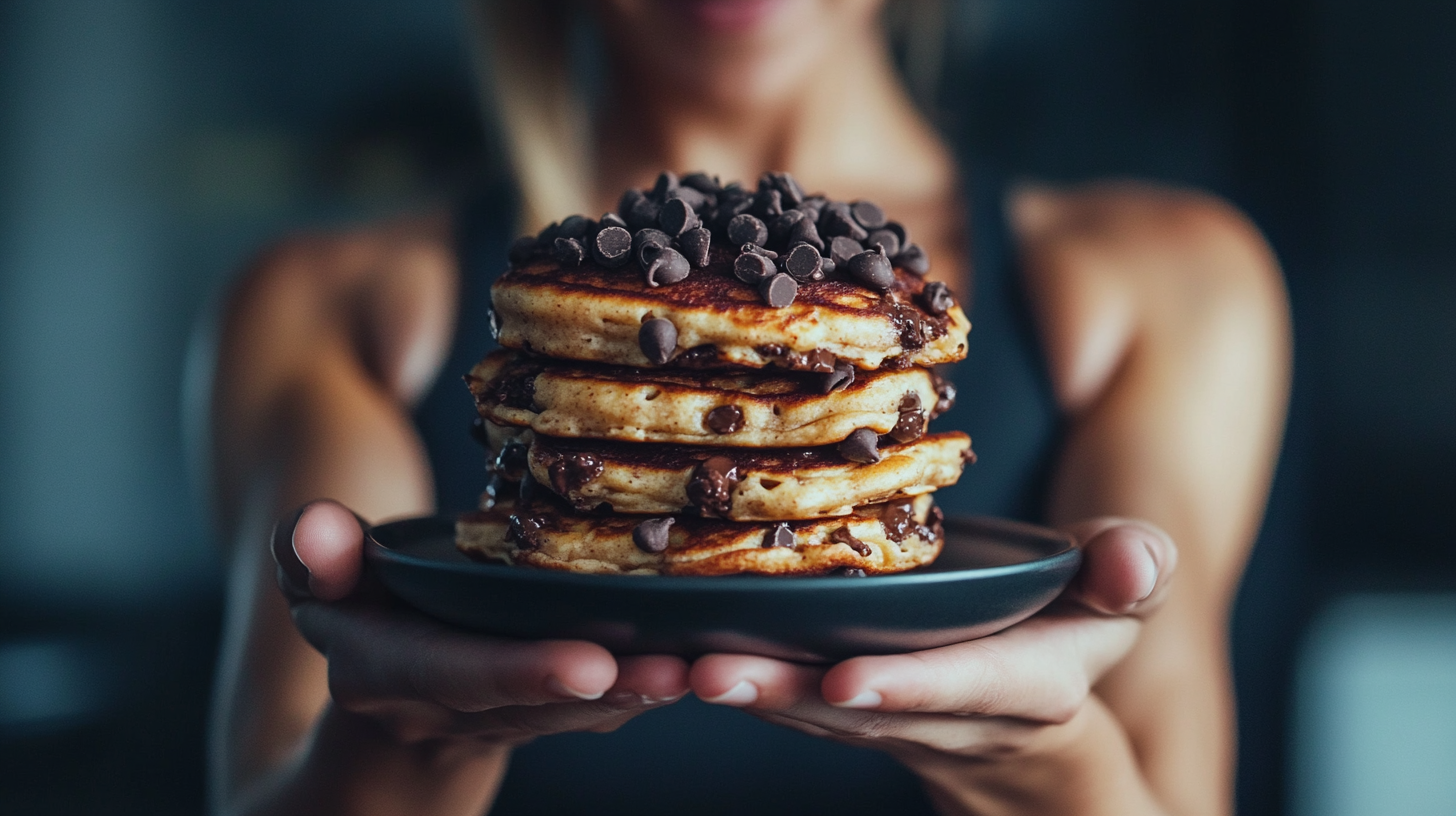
{"type": "Point", "coordinates": [716, 380]}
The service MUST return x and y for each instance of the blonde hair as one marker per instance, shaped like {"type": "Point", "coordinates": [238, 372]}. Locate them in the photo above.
{"type": "Point", "coordinates": [539, 110]}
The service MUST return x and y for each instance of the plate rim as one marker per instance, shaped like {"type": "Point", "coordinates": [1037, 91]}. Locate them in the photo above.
{"type": "Point", "coordinates": [1068, 551]}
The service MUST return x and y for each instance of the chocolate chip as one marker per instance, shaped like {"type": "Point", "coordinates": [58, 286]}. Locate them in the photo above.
{"type": "Point", "coordinates": [862, 446]}
{"type": "Point", "coordinates": [747, 229]}
{"type": "Point", "coordinates": [911, 424]}
{"type": "Point", "coordinates": [695, 244]}
{"type": "Point", "coordinates": [629, 199]}
{"type": "Point", "coordinates": [768, 203]}
{"type": "Point", "coordinates": [753, 268]}
{"type": "Point", "coordinates": [651, 535]}
{"type": "Point", "coordinates": [848, 572]}
{"type": "Point", "coordinates": [872, 269]}
{"type": "Point", "coordinates": [839, 379]}
{"type": "Point", "coordinates": [511, 461]}
{"type": "Point", "coordinates": [842, 535]}
{"type": "Point", "coordinates": [936, 298]}
{"type": "Point", "coordinates": [477, 432]}
{"type": "Point", "coordinates": [842, 248]}
{"type": "Point", "coordinates": [667, 267]}
{"type": "Point", "coordinates": [827, 265]}
{"type": "Point", "coordinates": [643, 214]}
{"type": "Point", "coordinates": [725, 419]}
{"type": "Point", "coordinates": [546, 237]}
{"type": "Point", "coordinates": [611, 219]}
{"type": "Point", "coordinates": [836, 220]}
{"type": "Point", "coordinates": [899, 520]}
{"type": "Point", "coordinates": [646, 244]}
{"type": "Point", "coordinates": [779, 291]}
{"type": "Point", "coordinates": [666, 181]}
{"type": "Point", "coordinates": [804, 263]}
{"type": "Point", "coordinates": [779, 536]}
{"type": "Point", "coordinates": [711, 487]}
{"type": "Point", "coordinates": [574, 226]}
{"type": "Point", "coordinates": [525, 530]}
{"type": "Point", "coordinates": [568, 252]}
{"type": "Point", "coordinates": [612, 246]}
{"type": "Point", "coordinates": [886, 240]}
{"type": "Point", "coordinates": [701, 182]}
{"type": "Point", "coordinates": [731, 204]}
{"type": "Point", "coordinates": [758, 250]}
{"type": "Point", "coordinates": [779, 227]}
{"type": "Point", "coordinates": [968, 456]}
{"type": "Point", "coordinates": [913, 260]}
{"type": "Point", "coordinates": [868, 214]}
{"type": "Point", "coordinates": [569, 472]}
{"type": "Point", "coordinates": [522, 249]}
{"type": "Point", "coordinates": [945, 395]}
{"type": "Point", "coordinates": [676, 217]}
{"type": "Point", "coordinates": [788, 188]}
{"type": "Point", "coordinates": [658, 339]}
{"type": "Point", "coordinates": [688, 196]}
{"type": "Point", "coordinates": [900, 232]}
{"type": "Point", "coordinates": [806, 232]}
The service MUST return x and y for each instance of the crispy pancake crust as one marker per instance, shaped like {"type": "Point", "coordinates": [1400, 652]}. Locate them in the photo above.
{"type": "Point", "coordinates": [594, 314]}
{"type": "Point", "coordinates": [885, 538]}
{"type": "Point", "coordinates": [779, 409]}
{"type": "Point", "coordinates": [774, 484]}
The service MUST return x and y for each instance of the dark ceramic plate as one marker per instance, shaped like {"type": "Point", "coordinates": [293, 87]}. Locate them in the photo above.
{"type": "Point", "coordinates": [991, 574]}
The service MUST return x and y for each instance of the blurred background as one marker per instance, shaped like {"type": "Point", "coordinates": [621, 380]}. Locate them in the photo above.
{"type": "Point", "coordinates": [148, 147]}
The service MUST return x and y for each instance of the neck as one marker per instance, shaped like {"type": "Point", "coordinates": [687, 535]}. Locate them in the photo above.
{"type": "Point", "coordinates": [833, 131]}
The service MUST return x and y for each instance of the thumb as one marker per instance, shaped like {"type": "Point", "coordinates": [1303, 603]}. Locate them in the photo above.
{"type": "Point", "coordinates": [320, 554]}
{"type": "Point", "coordinates": [1127, 566]}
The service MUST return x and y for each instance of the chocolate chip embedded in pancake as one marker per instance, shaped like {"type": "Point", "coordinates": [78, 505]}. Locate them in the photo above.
{"type": "Point", "coordinates": [879, 539]}
{"type": "Point", "coordinates": [596, 314]}
{"type": "Point", "coordinates": [738, 483]}
{"type": "Point", "coordinates": [774, 409]}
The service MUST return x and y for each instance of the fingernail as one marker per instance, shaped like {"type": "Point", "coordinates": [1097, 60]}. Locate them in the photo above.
{"type": "Point", "coordinates": [865, 699]}
{"type": "Point", "coordinates": [558, 687]}
{"type": "Point", "coordinates": [1150, 575]}
{"type": "Point", "coordinates": [625, 699]}
{"type": "Point", "coordinates": [745, 693]}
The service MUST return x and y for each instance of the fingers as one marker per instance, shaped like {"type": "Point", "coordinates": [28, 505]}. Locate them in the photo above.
{"type": "Point", "coordinates": [1127, 567]}
{"type": "Point", "coordinates": [378, 653]}
{"type": "Point", "coordinates": [328, 540]}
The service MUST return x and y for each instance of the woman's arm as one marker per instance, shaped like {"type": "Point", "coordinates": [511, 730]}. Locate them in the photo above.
{"type": "Point", "coordinates": [1165, 326]}
{"type": "Point", "coordinates": [332, 700]}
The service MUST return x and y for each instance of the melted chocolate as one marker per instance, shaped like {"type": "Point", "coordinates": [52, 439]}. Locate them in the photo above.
{"type": "Point", "coordinates": [569, 472]}
{"type": "Point", "coordinates": [725, 419]}
{"type": "Point", "coordinates": [899, 520]}
{"type": "Point", "coordinates": [525, 529]}
{"type": "Point", "coordinates": [844, 536]}
{"type": "Point", "coordinates": [911, 424]}
{"type": "Point", "coordinates": [711, 486]}
{"type": "Point", "coordinates": [818, 361]}
{"type": "Point", "coordinates": [516, 387]}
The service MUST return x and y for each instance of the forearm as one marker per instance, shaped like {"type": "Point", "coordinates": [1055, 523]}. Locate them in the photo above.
{"type": "Point", "coordinates": [1085, 767]}
{"type": "Point", "coordinates": [352, 765]}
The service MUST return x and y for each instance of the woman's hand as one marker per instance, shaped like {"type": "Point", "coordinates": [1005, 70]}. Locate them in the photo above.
{"type": "Point", "coordinates": [958, 713]}
{"type": "Point", "coordinates": [424, 681]}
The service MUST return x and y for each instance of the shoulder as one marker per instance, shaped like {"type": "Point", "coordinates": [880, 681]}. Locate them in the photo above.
{"type": "Point", "coordinates": [1114, 266]}
{"type": "Point", "coordinates": [381, 295]}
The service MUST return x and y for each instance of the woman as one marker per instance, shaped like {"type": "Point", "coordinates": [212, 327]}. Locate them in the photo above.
{"type": "Point", "coordinates": [1134, 368]}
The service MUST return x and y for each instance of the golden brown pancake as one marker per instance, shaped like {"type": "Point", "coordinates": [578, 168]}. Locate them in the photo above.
{"type": "Point", "coordinates": [595, 314]}
{"type": "Point", "coordinates": [763, 484]}
{"type": "Point", "coordinates": [878, 539]}
{"type": "Point", "coordinates": [712, 407]}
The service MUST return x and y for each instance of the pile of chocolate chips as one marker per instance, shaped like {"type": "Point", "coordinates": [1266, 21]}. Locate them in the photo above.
{"type": "Point", "coordinates": [783, 237]}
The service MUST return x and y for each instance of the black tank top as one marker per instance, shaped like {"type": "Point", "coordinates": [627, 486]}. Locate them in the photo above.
{"type": "Point", "coordinates": [691, 757]}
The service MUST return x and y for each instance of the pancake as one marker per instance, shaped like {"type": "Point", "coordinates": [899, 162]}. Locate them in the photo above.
{"type": "Point", "coordinates": [595, 314]}
{"type": "Point", "coordinates": [743, 485]}
{"type": "Point", "coordinates": [773, 409]}
{"type": "Point", "coordinates": [878, 539]}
